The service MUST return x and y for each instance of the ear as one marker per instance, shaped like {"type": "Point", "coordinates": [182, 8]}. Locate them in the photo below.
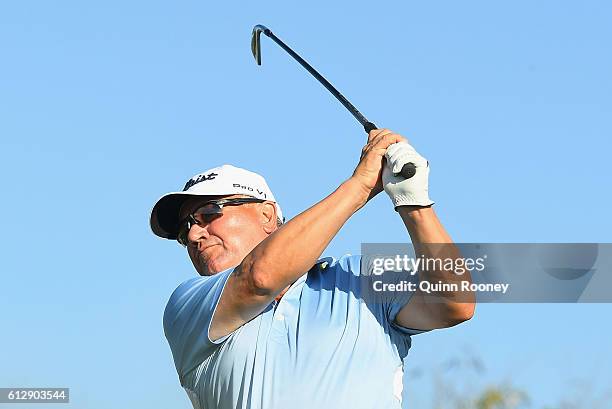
{"type": "Point", "coordinates": [268, 217]}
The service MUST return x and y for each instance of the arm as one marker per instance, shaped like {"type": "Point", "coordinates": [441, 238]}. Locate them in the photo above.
{"type": "Point", "coordinates": [431, 241]}
{"type": "Point", "coordinates": [441, 309]}
{"type": "Point", "coordinates": [288, 253]}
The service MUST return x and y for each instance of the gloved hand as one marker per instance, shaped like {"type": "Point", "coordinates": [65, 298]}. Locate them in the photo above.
{"type": "Point", "coordinates": [406, 192]}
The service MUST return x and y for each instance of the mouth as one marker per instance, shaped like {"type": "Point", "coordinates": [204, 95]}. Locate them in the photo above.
{"type": "Point", "coordinates": [207, 247]}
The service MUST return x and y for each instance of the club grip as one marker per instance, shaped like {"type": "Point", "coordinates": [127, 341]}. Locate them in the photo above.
{"type": "Point", "coordinates": [409, 169]}
{"type": "Point", "coordinates": [369, 127]}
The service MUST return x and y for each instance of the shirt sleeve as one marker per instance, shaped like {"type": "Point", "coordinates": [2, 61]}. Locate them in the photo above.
{"type": "Point", "coordinates": [391, 301]}
{"type": "Point", "coordinates": [187, 320]}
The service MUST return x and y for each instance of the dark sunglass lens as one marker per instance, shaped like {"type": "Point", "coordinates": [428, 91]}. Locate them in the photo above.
{"type": "Point", "coordinates": [209, 208]}
{"type": "Point", "coordinates": [207, 213]}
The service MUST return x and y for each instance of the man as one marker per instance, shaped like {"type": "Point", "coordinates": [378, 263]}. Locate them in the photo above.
{"type": "Point", "coordinates": [266, 325]}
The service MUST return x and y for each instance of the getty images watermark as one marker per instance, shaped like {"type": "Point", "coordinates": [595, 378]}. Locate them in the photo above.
{"type": "Point", "coordinates": [487, 272]}
{"type": "Point", "coordinates": [411, 265]}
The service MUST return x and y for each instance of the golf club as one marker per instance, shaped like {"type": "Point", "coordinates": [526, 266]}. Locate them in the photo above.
{"type": "Point", "coordinates": [408, 170]}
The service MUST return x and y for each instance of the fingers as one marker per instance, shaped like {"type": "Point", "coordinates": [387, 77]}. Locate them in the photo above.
{"type": "Point", "coordinates": [381, 139]}
{"type": "Point", "coordinates": [371, 162]}
{"type": "Point", "coordinates": [376, 132]}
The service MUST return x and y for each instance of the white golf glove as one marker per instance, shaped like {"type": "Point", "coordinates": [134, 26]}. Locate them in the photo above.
{"type": "Point", "coordinates": [406, 192]}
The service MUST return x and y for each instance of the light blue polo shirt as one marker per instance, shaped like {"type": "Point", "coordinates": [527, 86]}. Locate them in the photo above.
{"type": "Point", "coordinates": [322, 345]}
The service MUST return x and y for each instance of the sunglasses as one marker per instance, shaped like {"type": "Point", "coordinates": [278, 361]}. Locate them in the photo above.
{"type": "Point", "coordinates": [206, 213]}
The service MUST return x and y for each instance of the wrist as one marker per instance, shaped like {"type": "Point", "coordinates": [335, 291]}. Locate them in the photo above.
{"type": "Point", "coordinates": [359, 193]}
{"type": "Point", "coordinates": [415, 213]}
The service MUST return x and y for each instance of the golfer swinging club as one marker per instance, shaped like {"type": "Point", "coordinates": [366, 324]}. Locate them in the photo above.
{"type": "Point", "coordinates": [266, 324]}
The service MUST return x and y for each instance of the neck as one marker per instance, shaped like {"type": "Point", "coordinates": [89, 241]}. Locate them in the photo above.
{"type": "Point", "coordinates": [278, 297]}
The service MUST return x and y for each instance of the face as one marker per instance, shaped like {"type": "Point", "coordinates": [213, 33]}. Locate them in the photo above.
{"type": "Point", "coordinates": [223, 241]}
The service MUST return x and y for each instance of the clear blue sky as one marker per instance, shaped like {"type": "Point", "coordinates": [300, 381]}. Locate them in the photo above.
{"type": "Point", "coordinates": [106, 105]}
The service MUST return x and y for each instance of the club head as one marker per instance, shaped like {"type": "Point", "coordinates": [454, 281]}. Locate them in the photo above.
{"type": "Point", "coordinates": [256, 43]}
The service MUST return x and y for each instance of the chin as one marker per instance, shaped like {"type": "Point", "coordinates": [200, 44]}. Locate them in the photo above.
{"type": "Point", "coordinates": [213, 267]}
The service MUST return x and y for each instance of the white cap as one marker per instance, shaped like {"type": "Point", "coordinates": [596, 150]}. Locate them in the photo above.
{"type": "Point", "coordinates": [219, 181]}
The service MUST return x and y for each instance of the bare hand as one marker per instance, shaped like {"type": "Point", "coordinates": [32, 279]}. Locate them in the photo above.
{"type": "Point", "coordinates": [369, 169]}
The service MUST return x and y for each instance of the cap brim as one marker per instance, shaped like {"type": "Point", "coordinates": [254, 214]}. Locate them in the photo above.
{"type": "Point", "coordinates": [165, 214]}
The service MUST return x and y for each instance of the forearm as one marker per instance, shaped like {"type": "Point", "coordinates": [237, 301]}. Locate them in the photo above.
{"type": "Point", "coordinates": [423, 225]}
{"type": "Point", "coordinates": [432, 242]}
{"type": "Point", "coordinates": [293, 249]}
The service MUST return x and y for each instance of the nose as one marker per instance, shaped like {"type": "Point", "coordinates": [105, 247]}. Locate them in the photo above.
{"type": "Point", "coordinates": [198, 233]}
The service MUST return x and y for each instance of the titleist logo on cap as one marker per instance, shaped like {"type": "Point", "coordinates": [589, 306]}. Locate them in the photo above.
{"type": "Point", "coordinates": [200, 178]}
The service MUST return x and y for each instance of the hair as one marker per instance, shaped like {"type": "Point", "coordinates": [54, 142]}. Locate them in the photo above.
{"type": "Point", "coordinates": [279, 222]}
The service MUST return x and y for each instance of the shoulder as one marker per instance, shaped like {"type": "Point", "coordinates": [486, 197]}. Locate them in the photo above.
{"type": "Point", "coordinates": [346, 262]}
{"type": "Point", "coordinates": [185, 286]}
{"type": "Point", "coordinates": [194, 291]}
{"type": "Point", "coordinates": [329, 272]}
{"type": "Point", "coordinates": [188, 287]}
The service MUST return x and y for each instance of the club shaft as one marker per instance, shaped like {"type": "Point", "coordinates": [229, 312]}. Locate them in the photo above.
{"type": "Point", "coordinates": [408, 170]}
{"type": "Point", "coordinates": [362, 120]}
